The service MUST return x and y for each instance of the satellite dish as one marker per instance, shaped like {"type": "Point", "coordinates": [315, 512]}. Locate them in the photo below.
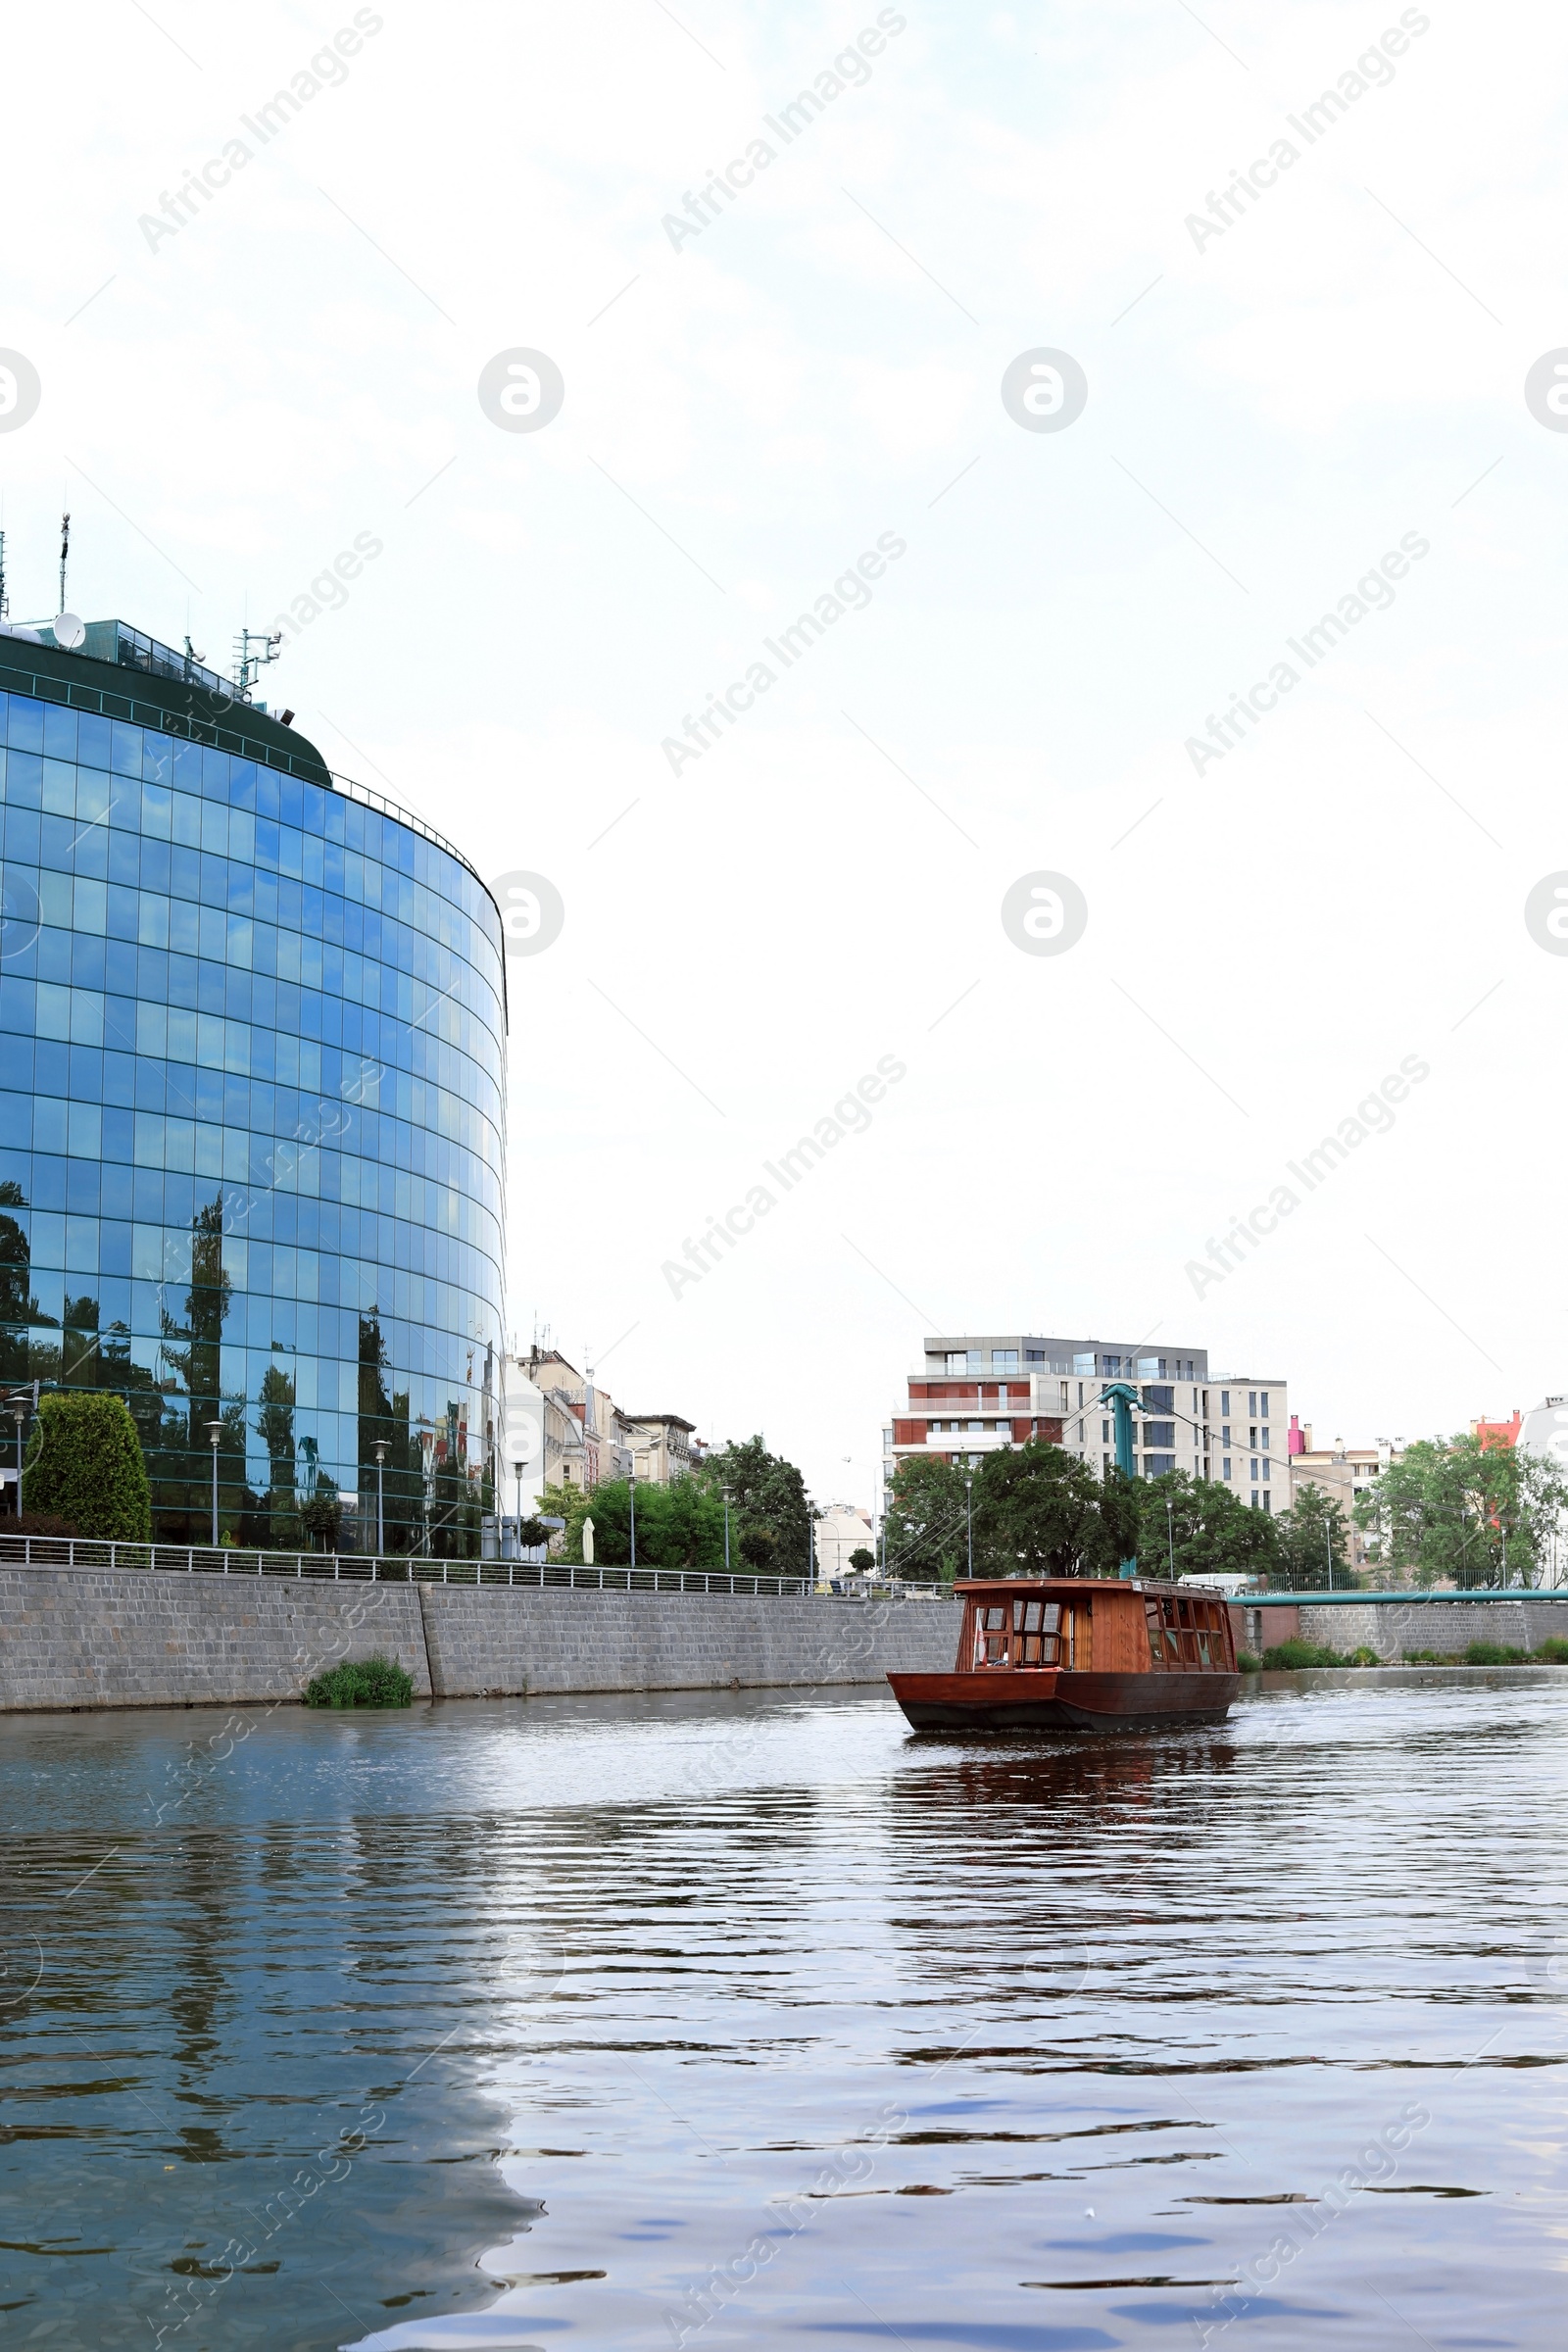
{"type": "Point", "coordinates": [68, 631]}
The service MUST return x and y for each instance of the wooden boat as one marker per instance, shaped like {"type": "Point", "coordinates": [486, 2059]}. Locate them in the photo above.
{"type": "Point", "coordinates": [1079, 1654]}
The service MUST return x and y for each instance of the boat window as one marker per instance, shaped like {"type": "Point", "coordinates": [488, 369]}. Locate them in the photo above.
{"type": "Point", "coordinates": [1203, 1658]}
{"type": "Point", "coordinates": [995, 1619]}
{"type": "Point", "coordinates": [1031, 1617]}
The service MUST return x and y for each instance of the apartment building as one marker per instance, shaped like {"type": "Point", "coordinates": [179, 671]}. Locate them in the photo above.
{"type": "Point", "coordinates": [972, 1396]}
{"type": "Point", "coordinates": [1343, 1472]}
{"type": "Point", "coordinates": [663, 1447]}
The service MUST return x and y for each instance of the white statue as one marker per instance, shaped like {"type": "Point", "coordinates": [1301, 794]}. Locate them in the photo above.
{"type": "Point", "coordinates": [588, 1543]}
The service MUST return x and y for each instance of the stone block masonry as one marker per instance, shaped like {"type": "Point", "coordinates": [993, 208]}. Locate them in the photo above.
{"type": "Point", "coordinates": [1394, 1626]}
{"type": "Point", "coordinates": [116, 1637]}
{"type": "Point", "coordinates": [123, 1638]}
{"type": "Point", "coordinates": [487, 1641]}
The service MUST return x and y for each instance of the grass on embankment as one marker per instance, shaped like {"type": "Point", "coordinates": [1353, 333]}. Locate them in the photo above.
{"type": "Point", "coordinates": [1291, 1656]}
{"type": "Point", "coordinates": [361, 1683]}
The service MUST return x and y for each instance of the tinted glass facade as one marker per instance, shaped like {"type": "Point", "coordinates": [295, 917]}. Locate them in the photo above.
{"type": "Point", "coordinates": [251, 1070]}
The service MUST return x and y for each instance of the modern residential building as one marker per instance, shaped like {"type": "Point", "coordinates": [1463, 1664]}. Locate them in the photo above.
{"type": "Point", "coordinates": [973, 1396]}
{"type": "Point", "coordinates": [251, 1072]}
{"type": "Point", "coordinates": [841, 1529]}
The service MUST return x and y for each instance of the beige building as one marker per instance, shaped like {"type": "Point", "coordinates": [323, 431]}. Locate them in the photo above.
{"type": "Point", "coordinates": [663, 1448]}
{"type": "Point", "coordinates": [1343, 1472]}
{"type": "Point", "coordinates": [842, 1527]}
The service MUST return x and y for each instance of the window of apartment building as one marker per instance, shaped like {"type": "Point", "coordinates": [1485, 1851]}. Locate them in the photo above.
{"type": "Point", "coordinates": [1159, 1401]}
{"type": "Point", "coordinates": [1111, 1363]}
{"type": "Point", "coordinates": [1105, 1433]}
{"type": "Point", "coordinates": [1225, 1433]}
{"type": "Point", "coordinates": [1254, 1469]}
{"type": "Point", "coordinates": [1224, 1405]}
{"type": "Point", "coordinates": [1034, 1356]}
{"type": "Point", "coordinates": [1225, 1465]}
{"type": "Point", "coordinates": [976, 1429]}
{"type": "Point", "coordinates": [1105, 1463]}
{"type": "Point", "coordinates": [1160, 1433]}
{"type": "Point", "coordinates": [1251, 1435]}
{"type": "Point", "coordinates": [1268, 1499]}
{"type": "Point", "coordinates": [1005, 1359]}
{"type": "Point", "coordinates": [1067, 1398]}
{"type": "Point", "coordinates": [1262, 1404]}
{"type": "Point", "coordinates": [1265, 1468]}
{"type": "Point", "coordinates": [1252, 1400]}
{"type": "Point", "coordinates": [1264, 1438]}
{"type": "Point", "coordinates": [1158, 1465]}
{"type": "Point", "coordinates": [958, 1363]}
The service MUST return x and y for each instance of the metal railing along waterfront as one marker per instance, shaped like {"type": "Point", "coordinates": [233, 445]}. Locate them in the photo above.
{"type": "Point", "coordinates": [361, 1568]}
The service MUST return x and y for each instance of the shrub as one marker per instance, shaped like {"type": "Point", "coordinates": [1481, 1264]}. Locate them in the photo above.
{"type": "Point", "coordinates": [1246, 1663]}
{"type": "Point", "coordinates": [36, 1523]}
{"type": "Point", "coordinates": [85, 1466]}
{"type": "Point", "coordinates": [360, 1683]}
{"type": "Point", "coordinates": [1493, 1653]}
{"type": "Point", "coordinates": [1364, 1656]}
{"type": "Point", "coordinates": [1289, 1657]}
{"type": "Point", "coordinates": [1553, 1651]}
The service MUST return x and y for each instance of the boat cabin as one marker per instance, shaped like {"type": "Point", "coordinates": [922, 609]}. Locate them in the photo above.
{"type": "Point", "coordinates": [1089, 1625]}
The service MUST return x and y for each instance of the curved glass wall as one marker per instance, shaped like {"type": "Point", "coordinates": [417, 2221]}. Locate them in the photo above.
{"type": "Point", "coordinates": [252, 1069]}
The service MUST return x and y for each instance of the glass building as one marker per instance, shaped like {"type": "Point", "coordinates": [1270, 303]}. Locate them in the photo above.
{"type": "Point", "coordinates": [252, 1086]}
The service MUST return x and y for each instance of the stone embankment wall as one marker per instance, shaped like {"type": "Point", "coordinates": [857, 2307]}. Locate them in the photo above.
{"type": "Point", "coordinates": [88, 1637]}
{"type": "Point", "coordinates": [1391, 1626]}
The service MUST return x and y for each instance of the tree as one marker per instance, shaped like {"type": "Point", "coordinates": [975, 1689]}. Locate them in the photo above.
{"type": "Point", "coordinates": [1040, 1511]}
{"type": "Point", "coordinates": [321, 1515]}
{"type": "Point", "coordinates": [679, 1525]}
{"type": "Point", "coordinates": [1209, 1529]}
{"type": "Point", "coordinates": [275, 1426]}
{"type": "Point", "coordinates": [1309, 1533]}
{"type": "Point", "coordinates": [193, 1351]}
{"type": "Point", "coordinates": [1037, 1511]}
{"type": "Point", "coordinates": [768, 1492]}
{"type": "Point", "coordinates": [863, 1561]}
{"type": "Point", "coordinates": [924, 1533]}
{"type": "Point", "coordinates": [84, 1466]}
{"type": "Point", "coordinates": [384, 1419]}
{"type": "Point", "coordinates": [1454, 1512]}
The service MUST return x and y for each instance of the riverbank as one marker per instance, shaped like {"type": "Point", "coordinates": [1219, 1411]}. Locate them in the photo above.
{"type": "Point", "coordinates": [82, 1637]}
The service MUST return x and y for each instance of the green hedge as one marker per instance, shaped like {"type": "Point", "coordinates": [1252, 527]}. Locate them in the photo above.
{"type": "Point", "coordinates": [85, 1466]}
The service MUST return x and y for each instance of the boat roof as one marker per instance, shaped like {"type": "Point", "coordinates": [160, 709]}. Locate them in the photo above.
{"type": "Point", "coordinates": [1000, 1586]}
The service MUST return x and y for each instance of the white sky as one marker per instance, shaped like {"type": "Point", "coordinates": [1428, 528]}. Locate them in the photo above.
{"type": "Point", "coordinates": [814, 370]}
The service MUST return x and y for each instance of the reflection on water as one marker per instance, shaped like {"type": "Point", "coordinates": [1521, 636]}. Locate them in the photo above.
{"type": "Point", "coordinates": [741, 2018]}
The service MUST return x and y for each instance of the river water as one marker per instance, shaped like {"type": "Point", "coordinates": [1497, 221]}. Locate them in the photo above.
{"type": "Point", "coordinates": [750, 2020]}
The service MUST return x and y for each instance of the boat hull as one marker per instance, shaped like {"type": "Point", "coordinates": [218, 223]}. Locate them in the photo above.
{"type": "Point", "coordinates": [1025, 1700]}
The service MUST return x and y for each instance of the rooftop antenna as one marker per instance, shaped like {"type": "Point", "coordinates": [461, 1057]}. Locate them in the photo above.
{"type": "Point", "coordinates": [248, 665]}
{"type": "Point", "coordinates": [64, 550]}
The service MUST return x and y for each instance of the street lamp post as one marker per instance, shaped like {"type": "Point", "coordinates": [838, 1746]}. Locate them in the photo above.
{"type": "Point", "coordinates": [215, 1429]}
{"type": "Point", "coordinates": [727, 1491]}
{"type": "Point", "coordinates": [1170, 1534]}
{"type": "Point", "coordinates": [516, 1472]}
{"type": "Point", "coordinates": [968, 1513]}
{"type": "Point", "coordinates": [1328, 1545]}
{"type": "Point", "coordinates": [631, 1488]}
{"type": "Point", "coordinates": [18, 1415]}
{"type": "Point", "coordinates": [380, 1497]}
